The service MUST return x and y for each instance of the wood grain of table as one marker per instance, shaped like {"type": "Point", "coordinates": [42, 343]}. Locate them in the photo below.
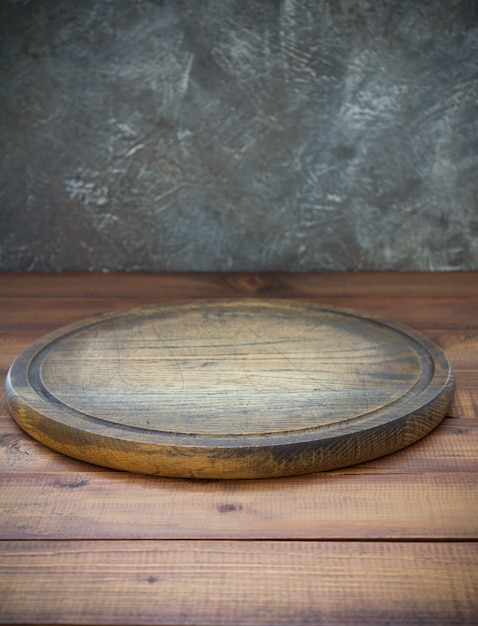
{"type": "Point", "coordinates": [390, 541]}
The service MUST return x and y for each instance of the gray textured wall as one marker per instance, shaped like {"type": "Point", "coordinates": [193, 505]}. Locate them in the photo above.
{"type": "Point", "coordinates": [239, 134]}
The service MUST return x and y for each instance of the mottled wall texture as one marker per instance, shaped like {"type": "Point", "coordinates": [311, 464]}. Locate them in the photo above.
{"type": "Point", "coordinates": [239, 134]}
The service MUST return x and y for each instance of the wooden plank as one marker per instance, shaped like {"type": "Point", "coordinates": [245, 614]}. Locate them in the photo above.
{"type": "Point", "coordinates": [279, 284]}
{"type": "Point", "coordinates": [465, 402]}
{"type": "Point", "coordinates": [384, 284]}
{"type": "Point", "coordinates": [333, 505]}
{"type": "Point", "coordinates": [46, 314]}
{"type": "Point", "coordinates": [190, 582]}
{"type": "Point", "coordinates": [11, 345]}
{"type": "Point", "coordinates": [460, 346]}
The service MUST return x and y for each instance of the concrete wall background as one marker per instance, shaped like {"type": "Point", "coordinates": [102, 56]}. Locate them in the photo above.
{"type": "Point", "coordinates": [239, 134]}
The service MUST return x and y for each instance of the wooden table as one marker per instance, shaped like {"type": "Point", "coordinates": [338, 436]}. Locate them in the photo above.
{"type": "Point", "coordinates": [393, 541]}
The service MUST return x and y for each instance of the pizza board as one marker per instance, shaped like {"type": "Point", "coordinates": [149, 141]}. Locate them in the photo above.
{"type": "Point", "coordinates": [230, 388]}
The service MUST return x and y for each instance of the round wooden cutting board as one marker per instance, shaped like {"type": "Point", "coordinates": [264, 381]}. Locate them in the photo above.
{"type": "Point", "coordinates": [230, 388]}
